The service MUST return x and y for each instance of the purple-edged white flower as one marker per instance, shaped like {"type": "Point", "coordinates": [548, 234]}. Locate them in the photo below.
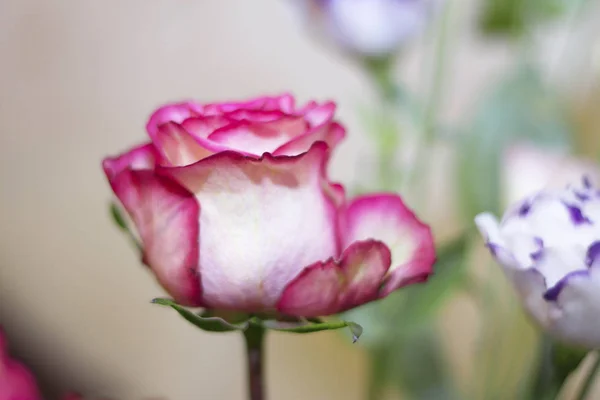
{"type": "Point", "coordinates": [549, 246]}
{"type": "Point", "coordinates": [370, 28]}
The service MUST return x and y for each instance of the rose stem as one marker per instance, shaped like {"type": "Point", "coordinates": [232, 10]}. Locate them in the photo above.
{"type": "Point", "coordinates": [254, 336]}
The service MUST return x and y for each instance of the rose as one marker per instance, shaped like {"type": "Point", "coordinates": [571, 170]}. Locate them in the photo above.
{"type": "Point", "coordinates": [549, 247]}
{"type": "Point", "coordinates": [235, 212]}
{"type": "Point", "coordinates": [368, 28]}
{"type": "Point", "coordinates": [16, 381]}
{"type": "Point", "coordinates": [265, 124]}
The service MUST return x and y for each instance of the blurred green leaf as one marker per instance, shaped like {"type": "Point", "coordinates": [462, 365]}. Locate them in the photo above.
{"type": "Point", "coordinates": [417, 304]}
{"type": "Point", "coordinates": [421, 302]}
{"type": "Point", "coordinates": [556, 362]}
{"type": "Point", "coordinates": [419, 367]}
{"type": "Point", "coordinates": [566, 359]}
{"type": "Point", "coordinates": [406, 319]}
{"type": "Point", "coordinates": [514, 18]}
{"type": "Point", "coordinates": [520, 108]}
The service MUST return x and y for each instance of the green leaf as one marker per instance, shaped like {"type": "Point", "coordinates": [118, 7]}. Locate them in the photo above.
{"type": "Point", "coordinates": [520, 108]}
{"type": "Point", "coordinates": [421, 302]}
{"type": "Point", "coordinates": [419, 367]}
{"type": "Point", "coordinates": [309, 327]}
{"type": "Point", "coordinates": [566, 359]}
{"type": "Point", "coordinates": [514, 18]}
{"type": "Point", "coordinates": [209, 323]}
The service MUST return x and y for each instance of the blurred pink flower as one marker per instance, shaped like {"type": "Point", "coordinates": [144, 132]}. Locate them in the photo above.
{"type": "Point", "coordinates": [235, 212]}
{"type": "Point", "coordinates": [16, 381]}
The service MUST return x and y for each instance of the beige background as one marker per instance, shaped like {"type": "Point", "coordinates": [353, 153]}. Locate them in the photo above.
{"type": "Point", "coordinates": [78, 79]}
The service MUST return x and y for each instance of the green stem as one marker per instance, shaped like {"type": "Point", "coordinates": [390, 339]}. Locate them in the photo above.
{"type": "Point", "coordinates": [589, 380]}
{"type": "Point", "coordinates": [544, 386]}
{"type": "Point", "coordinates": [430, 116]}
{"type": "Point", "coordinates": [380, 70]}
{"type": "Point", "coordinates": [381, 73]}
{"type": "Point", "coordinates": [254, 336]}
{"type": "Point", "coordinates": [438, 75]}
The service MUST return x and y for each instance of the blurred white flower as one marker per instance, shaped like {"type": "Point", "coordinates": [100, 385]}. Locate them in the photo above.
{"type": "Point", "coordinates": [549, 247]}
{"type": "Point", "coordinates": [369, 28]}
{"type": "Point", "coordinates": [527, 169]}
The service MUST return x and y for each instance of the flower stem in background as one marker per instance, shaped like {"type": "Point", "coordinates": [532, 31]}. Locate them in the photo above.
{"type": "Point", "coordinates": [545, 385]}
{"type": "Point", "coordinates": [438, 73]}
{"type": "Point", "coordinates": [378, 372]}
{"type": "Point", "coordinates": [584, 393]}
{"type": "Point", "coordinates": [381, 71]}
{"type": "Point", "coordinates": [254, 336]}
{"type": "Point", "coordinates": [436, 92]}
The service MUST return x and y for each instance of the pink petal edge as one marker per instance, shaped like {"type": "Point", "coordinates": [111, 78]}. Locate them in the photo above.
{"type": "Point", "coordinates": [173, 112]}
{"type": "Point", "coordinates": [166, 218]}
{"type": "Point", "coordinates": [143, 156]}
{"type": "Point", "coordinates": [331, 134]}
{"type": "Point", "coordinates": [385, 217]}
{"type": "Point", "coordinates": [331, 287]}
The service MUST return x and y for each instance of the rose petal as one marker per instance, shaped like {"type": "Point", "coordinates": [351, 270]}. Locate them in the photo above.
{"type": "Point", "coordinates": [320, 114]}
{"type": "Point", "coordinates": [331, 134]}
{"type": "Point", "coordinates": [176, 112]}
{"type": "Point", "coordinates": [178, 147]}
{"type": "Point", "coordinates": [141, 157]}
{"type": "Point", "coordinates": [265, 103]}
{"type": "Point", "coordinates": [331, 287]}
{"type": "Point", "coordinates": [286, 103]}
{"type": "Point", "coordinates": [385, 217]}
{"type": "Point", "coordinates": [256, 115]}
{"type": "Point", "coordinates": [166, 217]}
{"type": "Point", "coordinates": [262, 221]}
{"type": "Point", "coordinates": [16, 381]}
{"type": "Point", "coordinates": [250, 137]}
{"type": "Point", "coordinates": [202, 127]}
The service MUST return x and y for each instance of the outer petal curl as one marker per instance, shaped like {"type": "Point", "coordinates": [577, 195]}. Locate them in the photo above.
{"type": "Point", "coordinates": [384, 217]}
{"type": "Point", "coordinates": [143, 156]}
{"type": "Point", "coordinates": [332, 286]}
{"type": "Point", "coordinates": [166, 217]}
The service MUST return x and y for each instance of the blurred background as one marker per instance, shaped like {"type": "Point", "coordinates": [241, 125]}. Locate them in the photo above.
{"type": "Point", "coordinates": [80, 77]}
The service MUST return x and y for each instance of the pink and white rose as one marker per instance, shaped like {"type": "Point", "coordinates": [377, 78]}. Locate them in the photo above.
{"type": "Point", "coordinates": [16, 381]}
{"type": "Point", "coordinates": [235, 211]}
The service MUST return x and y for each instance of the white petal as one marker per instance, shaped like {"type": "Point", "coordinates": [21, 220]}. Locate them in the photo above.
{"type": "Point", "coordinates": [577, 317]}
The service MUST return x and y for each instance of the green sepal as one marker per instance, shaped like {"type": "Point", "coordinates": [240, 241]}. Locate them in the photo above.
{"type": "Point", "coordinates": [121, 222]}
{"type": "Point", "coordinates": [206, 321]}
{"type": "Point", "coordinates": [309, 327]}
{"type": "Point", "coordinates": [228, 321]}
{"type": "Point", "coordinates": [117, 217]}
